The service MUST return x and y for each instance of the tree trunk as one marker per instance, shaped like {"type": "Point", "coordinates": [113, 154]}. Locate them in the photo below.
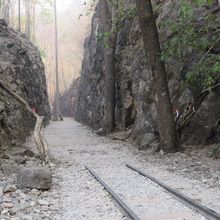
{"type": "Point", "coordinates": [6, 11]}
{"type": "Point", "coordinates": [19, 15]}
{"type": "Point", "coordinates": [28, 20]}
{"type": "Point", "coordinates": [12, 14]}
{"type": "Point", "coordinates": [165, 121]}
{"type": "Point", "coordinates": [2, 2]}
{"type": "Point", "coordinates": [57, 95]}
{"type": "Point", "coordinates": [1, 6]}
{"type": "Point", "coordinates": [109, 67]}
{"type": "Point", "coordinates": [33, 21]}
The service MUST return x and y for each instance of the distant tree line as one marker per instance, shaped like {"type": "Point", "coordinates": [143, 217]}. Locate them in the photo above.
{"type": "Point", "coordinates": [21, 14]}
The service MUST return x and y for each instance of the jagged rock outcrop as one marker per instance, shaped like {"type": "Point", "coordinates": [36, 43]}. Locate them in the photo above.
{"type": "Point", "coordinates": [134, 101]}
{"type": "Point", "coordinates": [21, 67]}
{"type": "Point", "coordinates": [68, 100]}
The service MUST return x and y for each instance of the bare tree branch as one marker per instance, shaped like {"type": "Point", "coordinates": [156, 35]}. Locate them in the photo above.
{"type": "Point", "coordinates": [38, 137]}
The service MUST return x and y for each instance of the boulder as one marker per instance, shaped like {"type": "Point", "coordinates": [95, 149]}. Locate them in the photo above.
{"type": "Point", "coordinates": [22, 69]}
{"type": "Point", "coordinates": [34, 178]}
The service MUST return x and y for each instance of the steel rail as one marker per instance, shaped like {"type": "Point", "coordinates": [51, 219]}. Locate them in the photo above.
{"type": "Point", "coordinates": [128, 211]}
{"type": "Point", "coordinates": [203, 210]}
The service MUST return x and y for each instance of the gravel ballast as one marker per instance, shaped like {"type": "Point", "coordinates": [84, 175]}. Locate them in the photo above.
{"type": "Point", "coordinates": [76, 195]}
{"type": "Point", "coordinates": [82, 197]}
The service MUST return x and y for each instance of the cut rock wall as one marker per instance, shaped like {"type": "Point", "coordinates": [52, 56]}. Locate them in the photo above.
{"type": "Point", "coordinates": [135, 108]}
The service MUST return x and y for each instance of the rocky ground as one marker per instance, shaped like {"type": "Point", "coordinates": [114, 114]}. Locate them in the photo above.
{"type": "Point", "coordinates": [75, 194]}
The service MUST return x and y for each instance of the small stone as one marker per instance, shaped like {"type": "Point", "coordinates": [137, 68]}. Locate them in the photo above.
{"type": "Point", "coordinates": [18, 191]}
{"type": "Point", "coordinates": [215, 176]}
{"type": "Point", "coordinates": [14, 218]}
{"type": "Point", "coordinates": [11, 188]}
{"type": "Point", "coordinates": [210, 154]}
{"type": "Point", "coordinates": [21, 160]}
{"type": "Point", "coordinates": [4, 211]}
{"type": "Point", "coordinates": [29, 153]}
{"type": "Point", "coordinates": [26, 190]}
{"type": "Point", "coordinates": [35, 192]}
{"type": "Point", "coordinates": [99, 131]}
{"type": "Point", "coordinates": [7, 205]}
{"type": "Point", "coordinates": [52, 165]}
{"type": "Point", "coordinates": [13, 211]}
{"type": "Point", "coordinates": [161, 152]}
{"type": "Point", "coordinates": [22, 195]}
{"type": "Point", "coordinates": [1, 192]}
{"type": "Point", "coordinates": [204, 181]}
{"type": "Point", "coordinates": [33, 203]}
{"type": "Point", "coordinates": [43, 202]}
{"type": "Point", "coordinates": [7, 200]}
{"type": "Point", "coordinates": [45, 208]}
{"type": "Point", "coordinates": [36, 211]}
{"type": "Point", "coordinates": [6, 157]}
{"type": "Point", "coordinates": [26, 217]}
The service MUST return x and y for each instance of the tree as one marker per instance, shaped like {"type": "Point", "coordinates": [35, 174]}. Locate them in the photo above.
{"type": "Point", "coordinates": [156, 67]}
{"type": "Point", "coordinates": [57, 95]}
{"type": "Point", "coordinates": [5, 10]}
{"type": "Point", "coordinates": [109, 65]}
{"type": "Point", "coordinates": [19, 15]}
{"type": "Point", "coordinates": [34, 2]}
{"type": "Point", "coordinates": [28, 19]}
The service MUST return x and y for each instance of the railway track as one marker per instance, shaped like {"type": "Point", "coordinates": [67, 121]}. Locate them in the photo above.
{"type": "Point", "coordinates": [203, 211]}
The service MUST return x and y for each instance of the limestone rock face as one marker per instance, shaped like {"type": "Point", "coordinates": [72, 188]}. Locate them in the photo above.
{"type": "Point", "coordinates": [134, 103]}
{"type": "Point", "coordinates": [90, 100]}
{"type": "Point", "coordinates": [21, 67]}
{"type": "Point", "coordinates": [135, 107]}
{"type": "Point", "coordinates": [68, 101]}
{"type": "Point", "coordinates": [34, 178]}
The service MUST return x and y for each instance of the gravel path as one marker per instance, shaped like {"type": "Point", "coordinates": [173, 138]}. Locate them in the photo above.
{"type": "Point", "coordinates": [78, 196]}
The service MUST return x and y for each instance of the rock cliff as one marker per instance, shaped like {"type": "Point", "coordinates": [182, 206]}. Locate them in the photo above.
{"type": "Point", "coordinates": [68, 100]}
{"type": "Point", "coordinates": [135, 108]}
{"type": "Point", "coordinates": [21, 67]}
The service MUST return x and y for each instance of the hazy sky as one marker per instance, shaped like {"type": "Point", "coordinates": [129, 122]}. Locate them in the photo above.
{"type": "Point", "coordinates": [62, 5]}
{"type": "Point", "coordinates": [71, 35]}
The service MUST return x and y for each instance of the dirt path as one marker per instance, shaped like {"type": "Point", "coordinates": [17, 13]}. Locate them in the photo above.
{"type": "Point", "coordinates": [72, 147]}
{"type": "Point", "coordinates": [78, 196]}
